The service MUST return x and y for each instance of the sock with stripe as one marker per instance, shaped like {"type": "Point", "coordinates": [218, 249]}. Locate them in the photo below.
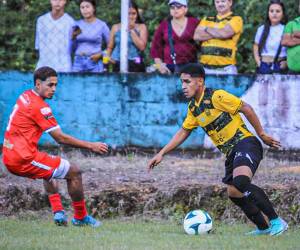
{"type": "Point", "coordinates": [55, 202]}
{"type": "Point", "coordinates": [79, 209]}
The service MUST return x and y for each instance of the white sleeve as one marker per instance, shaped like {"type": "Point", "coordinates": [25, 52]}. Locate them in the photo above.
{"type": "Point", "coordinates": [258, 34]}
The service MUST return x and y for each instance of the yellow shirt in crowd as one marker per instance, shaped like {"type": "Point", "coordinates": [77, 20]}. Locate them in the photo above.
{"type": "Point", "coordinates": [217, 113]}
{"type": "Point", "coordinates": [221, 52]}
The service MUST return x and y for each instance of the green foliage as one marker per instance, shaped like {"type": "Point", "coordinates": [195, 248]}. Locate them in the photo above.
{"type": "Point", "coordinates": [18, 19]}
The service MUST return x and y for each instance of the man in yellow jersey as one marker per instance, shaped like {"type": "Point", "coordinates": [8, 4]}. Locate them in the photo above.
{"type": "Point", "coordinates": [219, 36]}
{"type": "Point", "coordinates": [217, 112]}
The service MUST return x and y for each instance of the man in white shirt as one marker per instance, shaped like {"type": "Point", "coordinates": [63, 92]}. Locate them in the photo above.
{"type": "Point", "coordinates": [53, 38]}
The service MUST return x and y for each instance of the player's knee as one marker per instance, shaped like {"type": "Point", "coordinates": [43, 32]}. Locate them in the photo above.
{"type": "Point", "coordinates": [74, 171]}
{"type": "Point", "coordinates": [241, 183]}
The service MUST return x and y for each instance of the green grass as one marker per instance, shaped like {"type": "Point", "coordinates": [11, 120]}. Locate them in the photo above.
{"type": "Point", "coordinates": [135, 234]}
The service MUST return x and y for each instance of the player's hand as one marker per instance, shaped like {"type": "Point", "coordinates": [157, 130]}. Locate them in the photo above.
{"type": "Point", "coordinates": [270, 141]}
{"type": "Point", "coordinates": [154, 161]}
{"type": "Point", "coordinates": [99, 147]}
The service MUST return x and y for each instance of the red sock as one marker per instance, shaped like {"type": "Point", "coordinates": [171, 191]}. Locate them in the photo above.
{"type": "Point", "coordinates": [55, 202]}
{"type": "Point", "coordinates": [79, 209]}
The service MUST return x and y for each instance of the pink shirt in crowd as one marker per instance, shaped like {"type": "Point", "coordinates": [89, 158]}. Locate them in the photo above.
{"type": "Point", "coordinates": [185, 48]}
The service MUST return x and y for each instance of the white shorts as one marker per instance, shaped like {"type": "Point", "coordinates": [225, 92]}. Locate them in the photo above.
{"type": "Point", "coordinates": [62, 170]}
{"type": "Point", "coordinates": [228, 70]}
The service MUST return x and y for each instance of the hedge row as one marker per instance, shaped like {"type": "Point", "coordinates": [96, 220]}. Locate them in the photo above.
{"type": "Point", "coordinates": [18, 19]}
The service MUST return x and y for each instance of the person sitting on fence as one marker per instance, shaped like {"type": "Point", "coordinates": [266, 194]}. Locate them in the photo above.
{"type": "Point", "coordinates": [53, 38]}
{"type": "Point", "coordinates": [137, 42]}
{"type": "Point", "coordinates": [172, 45]}
{"type": "Point", "coordinates": [88, 35]}
{"type": "Point", "coordinates": [291, 39]}
{"type": "Point", "coordinates": [269, 54]}
{"type": "Point", "coordinates": [219, 36]}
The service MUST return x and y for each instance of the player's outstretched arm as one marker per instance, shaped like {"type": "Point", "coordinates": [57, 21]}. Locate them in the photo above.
{"type": "Point", "coordinates": [177, 139]}
{"type": "Point", "coordinates": [251, 116]}
{"type": "Point", "coordinates": [63, 138]}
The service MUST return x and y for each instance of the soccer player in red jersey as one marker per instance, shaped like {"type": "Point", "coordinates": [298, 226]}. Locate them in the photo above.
{"type": "Point", "coordinates": [31, 117]}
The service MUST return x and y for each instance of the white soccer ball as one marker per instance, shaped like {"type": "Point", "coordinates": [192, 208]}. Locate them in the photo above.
{"type": "Point", "coordinates": [197, 222]}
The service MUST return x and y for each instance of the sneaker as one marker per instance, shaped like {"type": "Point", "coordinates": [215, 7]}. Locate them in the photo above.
{"type": "Point", "coordinates": [60, 218]}
{"type": "Point", "coordinates": [257, 232]}
{"type": "Point", "coordinates": [278, 226]}
{"type": "Point", "coordinates": [86, 221]}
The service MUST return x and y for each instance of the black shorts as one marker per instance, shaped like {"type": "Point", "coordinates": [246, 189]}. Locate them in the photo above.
{"type": "Point", "coordinates": [248, 152]}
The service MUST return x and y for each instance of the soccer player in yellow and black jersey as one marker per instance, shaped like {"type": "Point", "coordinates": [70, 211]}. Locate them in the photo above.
{"type": "Point", "coordinates": [217, 112]}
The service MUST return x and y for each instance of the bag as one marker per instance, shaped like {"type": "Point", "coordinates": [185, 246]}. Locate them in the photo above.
{"type": "Point", "coordinates": [171, 42]}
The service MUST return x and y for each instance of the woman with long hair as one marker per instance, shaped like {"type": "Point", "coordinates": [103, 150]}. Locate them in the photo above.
{"type": "Point", "coordinates": [137, 42]}
{"type": "Point", "coordinates": [269, 55]}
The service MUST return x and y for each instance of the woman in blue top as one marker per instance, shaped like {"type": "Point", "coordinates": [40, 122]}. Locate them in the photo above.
{"type": "Point", "coordinates": [88, 36]}
{"type": "Point", "coordinates": [137, 42]}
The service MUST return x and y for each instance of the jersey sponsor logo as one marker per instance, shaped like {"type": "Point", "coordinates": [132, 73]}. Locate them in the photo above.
{"type": "Point", "coordinates": [46, 111]}
{"type": "Point", "coordinates": [7, 144]}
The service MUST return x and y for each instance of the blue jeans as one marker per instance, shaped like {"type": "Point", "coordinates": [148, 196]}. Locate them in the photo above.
{"type": "Point", "coordinates": [85, 64]}
{"type": "Point", "coordinates": [270, 68]}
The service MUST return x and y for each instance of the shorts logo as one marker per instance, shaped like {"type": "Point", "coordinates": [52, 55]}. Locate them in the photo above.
{"type": "Point", "coordinates": [241, 154]}
{"type": "Point", "coordinates": [247, 193]}
{"type": "Point", "coordinates": [238, 154]}
{"type": "Point", "coordinates": [46, 111]}
{"type": "Point", "coordinates": [248, 156]}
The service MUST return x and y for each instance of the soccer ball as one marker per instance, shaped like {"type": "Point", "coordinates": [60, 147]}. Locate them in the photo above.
{"type": "Point", "coordinates": [197, 222]}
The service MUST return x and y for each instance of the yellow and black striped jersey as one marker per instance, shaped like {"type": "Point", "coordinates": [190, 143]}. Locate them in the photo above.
{"type": "Point", "coordinates": [217, 113]}
{"type": "Point", "coordinates": [221, 52]}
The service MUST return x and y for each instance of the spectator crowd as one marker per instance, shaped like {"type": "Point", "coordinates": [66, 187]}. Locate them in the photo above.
{"type": "Point", "coordinates": [88, 45]}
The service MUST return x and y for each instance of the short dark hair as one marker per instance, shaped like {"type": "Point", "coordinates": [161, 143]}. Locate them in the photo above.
{"type": "Point", "coordinates": [193, 69]}
{"type": "Point", "coordinates": [43, 73]}
{"type": "Point", "coordinates": [92, 2]}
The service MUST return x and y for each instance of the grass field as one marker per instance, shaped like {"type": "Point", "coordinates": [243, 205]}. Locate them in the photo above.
{"type": "Point", "coordinates": [135, 234]}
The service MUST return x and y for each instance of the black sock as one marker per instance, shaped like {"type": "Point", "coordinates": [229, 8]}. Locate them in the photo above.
{"type": "Point", "coordinates": [261, 200]}
{"type": "Point", "coordinates": [251, 211]}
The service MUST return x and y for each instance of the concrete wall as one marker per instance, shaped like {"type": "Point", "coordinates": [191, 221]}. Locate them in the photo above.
{"type": "Point", "coordinates": [146, 110]}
